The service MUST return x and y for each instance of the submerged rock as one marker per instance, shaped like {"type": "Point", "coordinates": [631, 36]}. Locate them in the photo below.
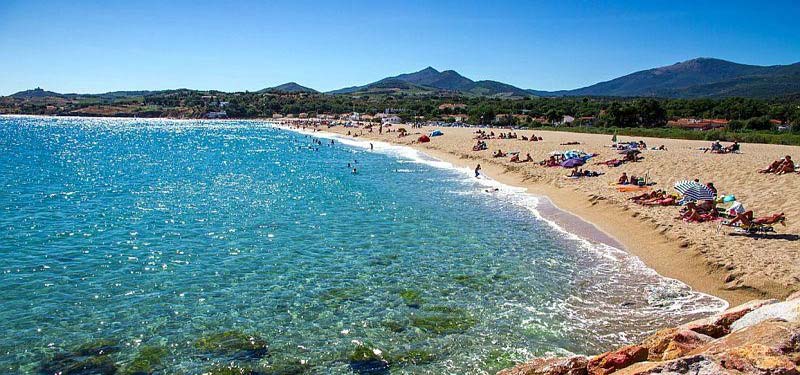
{"type": "Point", "coordinates": [232, 370]}
{"type": "Point", "coordinates": [411, 357]}
{"type": "Point", "coordinates": [79, 365]}
{"type": "Point", "coordinates": [412, 298]}
{"type": "Point", "coordinates": [88, 359]}
{"type": "Point", "coordinates": [366, 360]}
{"type": "Point", "coordinates": [443, 320]}
{"type": "Point", "coordinates": [498, 359]}
{"type": "Point", "coordinates": [234, 344]}
{"type": "Point", "coordinates": [147, 361]}
{"type": "Point", "coordinates": [394, 326]}
{"type": "Point", "coordinates": [575, 365]}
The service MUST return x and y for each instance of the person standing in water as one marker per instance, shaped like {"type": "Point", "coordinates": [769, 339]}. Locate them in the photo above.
{"type": "Point", "coordinates": [477, 171]}
{"type": "Point", "coordinates": [371, 147]}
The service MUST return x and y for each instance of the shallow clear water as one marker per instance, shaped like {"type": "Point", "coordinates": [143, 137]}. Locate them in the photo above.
{"type": "Point", "coordinates": [159, 233]}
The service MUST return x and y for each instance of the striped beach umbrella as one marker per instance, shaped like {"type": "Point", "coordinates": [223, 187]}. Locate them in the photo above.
{"type": "Point", "coordinates": [694, 191]}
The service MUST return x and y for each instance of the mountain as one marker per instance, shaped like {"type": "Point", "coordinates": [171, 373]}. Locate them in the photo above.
{"type": "Point", "coordinates": [36, 93]}
{"type": "Point", "coordinates": [291, 87]}
{"type": "Point", "coordinates": [701, 77]}
{"type": "Point", "coordinates": [431, 81]}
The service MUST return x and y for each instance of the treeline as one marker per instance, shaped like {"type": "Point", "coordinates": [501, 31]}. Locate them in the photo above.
{"type": "Point", "coordinates": [608, 112]}
{"type": "Point", "coordinates": [748, 114]}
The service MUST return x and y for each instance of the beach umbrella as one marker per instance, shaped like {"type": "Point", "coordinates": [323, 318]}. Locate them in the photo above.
{"type": "Point", "coordinates": [572, 163]}
{"type": "Point", "coordinates": [694, 191]}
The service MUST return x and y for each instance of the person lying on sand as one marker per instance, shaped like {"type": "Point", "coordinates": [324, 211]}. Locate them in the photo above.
{"type": "Point", "coordinates": [667, 201]}
{"type": "Point", "coordinates": [499, 154]}
{"type": "Point", "coordinates": [747, 219]}
{"type": "Point", "coordinates": [551, 162]}
{"type": "Point", "coordinates": [570, 143]}
{"type": "Point", "coordinates": [581, 173]}
{"type": "Point", "coordinates": [787, 166]}
{"type": "Point", "coordinates": [699, 212]}
{"type": "Point", "coordinates": [772, 167]}
{"type": "Point", "coordinates": [732, 148]}
{"type": "Point", "coordinates": [611, 163]}
{"type": "Point", "coordinates": [515, 158]}
{"type": "Point", "coordinates": [657, 194]}
{"type": "Point", "coordinates": [715, 148]}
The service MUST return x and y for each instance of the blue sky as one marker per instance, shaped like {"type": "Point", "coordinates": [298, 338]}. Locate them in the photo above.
{"type": "Point", "coordinates": [99, 46]}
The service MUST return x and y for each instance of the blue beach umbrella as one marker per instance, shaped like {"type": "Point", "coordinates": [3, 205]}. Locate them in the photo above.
{"type": "Point", "coordinates": [572, 163]}
{"type": "Point", "coordinates": [694, 191]}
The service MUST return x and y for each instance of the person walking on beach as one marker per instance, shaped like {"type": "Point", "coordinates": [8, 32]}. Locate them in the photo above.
{"type": "Point", "coordinates": [477, 171]}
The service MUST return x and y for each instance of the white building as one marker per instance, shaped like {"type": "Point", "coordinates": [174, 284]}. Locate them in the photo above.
{"type": "Point", "coordinates": [567, 120]}
{"type": "Point", "coordinates": [391, 120]}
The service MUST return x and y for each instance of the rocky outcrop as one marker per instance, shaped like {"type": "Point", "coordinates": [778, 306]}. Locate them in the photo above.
{"type": "Point", "coordinates": [550, 366]}
{"type": "Point", "coordinates": [759, 338]}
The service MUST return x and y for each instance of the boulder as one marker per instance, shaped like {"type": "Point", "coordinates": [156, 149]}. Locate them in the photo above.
{"type": "Point", "coordinates": [720, 324]}
{"type": "Point", "coordinates": [609, 362]}
{"type": "Point", "coordinates": [672, 343]}
{"type": "Point", "coordinates": [758, 359]}
{"type": "Point", "coordinates": [575, 365]}
{"type": "Point", "coordinates": [788, 311]}
{"type": "Point", "coordinates": [783, 337]}
{"type": "Point", "coordinates": [696, 365]}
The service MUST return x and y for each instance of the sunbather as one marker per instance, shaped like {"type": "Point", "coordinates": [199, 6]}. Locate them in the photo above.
{"type": "Point", "coordinates": [787, 166]}
{"type": "Point", "coordinates": [668, 201]}
{"type": "Point", "coordinates": [499, 154]}
{"type": "Point", "coordinates": [515, 158]}
{"type": "Point", "coordinates": [657, 194]}
{"type": "Point", "coordinates": [747, 219]}
{"type": "Point", "coordinates": [623, 180]}
{"type": "Point", "coordinates": [528, 158]}
{"type": "Point", "coordinates": [772, 167]}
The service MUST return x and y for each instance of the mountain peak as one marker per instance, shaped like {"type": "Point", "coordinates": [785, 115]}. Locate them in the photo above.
{"type": "Point", "coordinates": [429, 69]}
{"type": "Point", "coordinates": [290, 87]}
{"type": "Point", "coordinates": [35, 93]}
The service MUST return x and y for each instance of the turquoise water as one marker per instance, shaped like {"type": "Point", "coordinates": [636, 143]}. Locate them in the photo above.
{"type": "Point", "coordinates": [157, 235]}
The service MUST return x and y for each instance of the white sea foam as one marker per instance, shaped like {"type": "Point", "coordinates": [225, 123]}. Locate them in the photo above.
{"type": "Point", "coordinates": [664, 289]}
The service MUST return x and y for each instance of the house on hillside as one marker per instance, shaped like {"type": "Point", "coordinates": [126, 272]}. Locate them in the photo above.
{"type": "Point", "coordinates": [393, 119]}
{"type": "Point", "coordinates": [566, 120]}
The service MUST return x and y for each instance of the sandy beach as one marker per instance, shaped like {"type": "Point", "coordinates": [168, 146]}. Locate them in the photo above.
{"type": "Point", "coordinates": [710, 259]}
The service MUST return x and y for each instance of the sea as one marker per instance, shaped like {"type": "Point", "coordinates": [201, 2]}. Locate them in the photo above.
{"type": "Point", "coordinates": [190, 247]}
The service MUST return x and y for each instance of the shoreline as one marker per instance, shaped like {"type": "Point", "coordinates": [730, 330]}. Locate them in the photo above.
{"type": "Point", "coordinates": [659, 254]}
{"type": "Point", "coordinates": [616, 225]}
{"type": "Point", "coordinates": [640, 233]}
